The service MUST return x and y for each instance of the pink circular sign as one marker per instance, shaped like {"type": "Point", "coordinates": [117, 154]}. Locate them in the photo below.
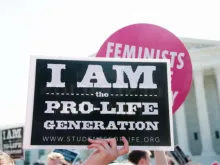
{"type": "Point", "coordinates": [153, 42]}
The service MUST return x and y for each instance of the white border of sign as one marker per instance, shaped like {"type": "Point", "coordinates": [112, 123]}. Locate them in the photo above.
{"type": "Point", "coordinates": [30, 103]}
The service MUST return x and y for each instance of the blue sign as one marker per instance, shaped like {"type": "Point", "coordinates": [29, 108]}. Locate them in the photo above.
{"type": "Point", "coordinates": [69, 155]}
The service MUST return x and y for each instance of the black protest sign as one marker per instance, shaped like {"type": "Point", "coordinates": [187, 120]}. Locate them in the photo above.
{"type": "Point", "coordinates": [69, 155]}
{"type": "Point", "coordinates": [71, 100]}
{"type": "Point", "coordinates": [179, 155]}
{"type": "Point", "coordinates": [12, 142]}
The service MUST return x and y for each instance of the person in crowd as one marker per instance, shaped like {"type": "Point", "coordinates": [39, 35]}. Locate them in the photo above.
{"type": "Point", "coordinates": [139, 157]}
{"type": "Point", "coordinates": [56, 159]}
{"type": "Point", "coordinates": [5, 159]}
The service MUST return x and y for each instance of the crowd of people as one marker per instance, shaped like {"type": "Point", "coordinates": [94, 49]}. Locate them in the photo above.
{"type": "Point", "coordinates": [106, 152]}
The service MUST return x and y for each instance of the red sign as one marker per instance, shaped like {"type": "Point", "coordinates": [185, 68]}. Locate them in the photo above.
{"type": "Point", "coordinates": [153, 42]}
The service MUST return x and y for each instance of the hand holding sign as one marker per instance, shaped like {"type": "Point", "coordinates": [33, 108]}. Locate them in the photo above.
{"type": "Point", "coordinates": [106, 151]}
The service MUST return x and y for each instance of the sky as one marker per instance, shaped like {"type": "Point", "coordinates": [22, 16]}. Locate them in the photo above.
{"type": "Point", "coordinates": [77, 28]}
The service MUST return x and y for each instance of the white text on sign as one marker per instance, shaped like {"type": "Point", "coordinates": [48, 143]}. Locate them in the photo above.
{"type": "Point", "coordinates": [96, 72]}
{"type": "Point", "coordinates": [130, 51]}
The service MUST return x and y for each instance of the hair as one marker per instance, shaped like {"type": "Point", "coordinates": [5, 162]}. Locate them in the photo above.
{"type": "Point", "coordinates": [57, 156]}
{"type": "Point", "coordinates": [136, 155]}
{"type": "Point", "coordinates": [6, 159]}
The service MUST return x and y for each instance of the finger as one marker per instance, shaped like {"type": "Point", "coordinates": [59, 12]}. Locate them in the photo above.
{"type": "Point", "coordinates": [96, 146]}
{"type": "Point", "coordinates": [90, 140]}
{"type": "Point", "coordinates": [101, 142]}
{"type": "Point", "coordinates": [125, 149]}
{"type": "Point", "coordinates": [112, 142]}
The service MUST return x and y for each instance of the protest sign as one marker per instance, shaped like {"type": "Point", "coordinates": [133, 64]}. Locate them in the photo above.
{"type": "Point", "coordinates": [12, 142]}
{"type": "Point", "coordinates": [147, 41]}
{"type": "Point", "coordinates": [179, 155]}
{"type": "Point", "coordinates": [71, 100]}
{"type": "Point", "coordinates": [69, 155]}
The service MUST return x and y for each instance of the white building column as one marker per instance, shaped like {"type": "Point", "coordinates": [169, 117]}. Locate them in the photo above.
{"type": "Point", "coordinates": [217, 75]}
{"type": "Point", "coordinates": [181, 127]}
{"type": "Point", "coordinates": [207, 148]}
